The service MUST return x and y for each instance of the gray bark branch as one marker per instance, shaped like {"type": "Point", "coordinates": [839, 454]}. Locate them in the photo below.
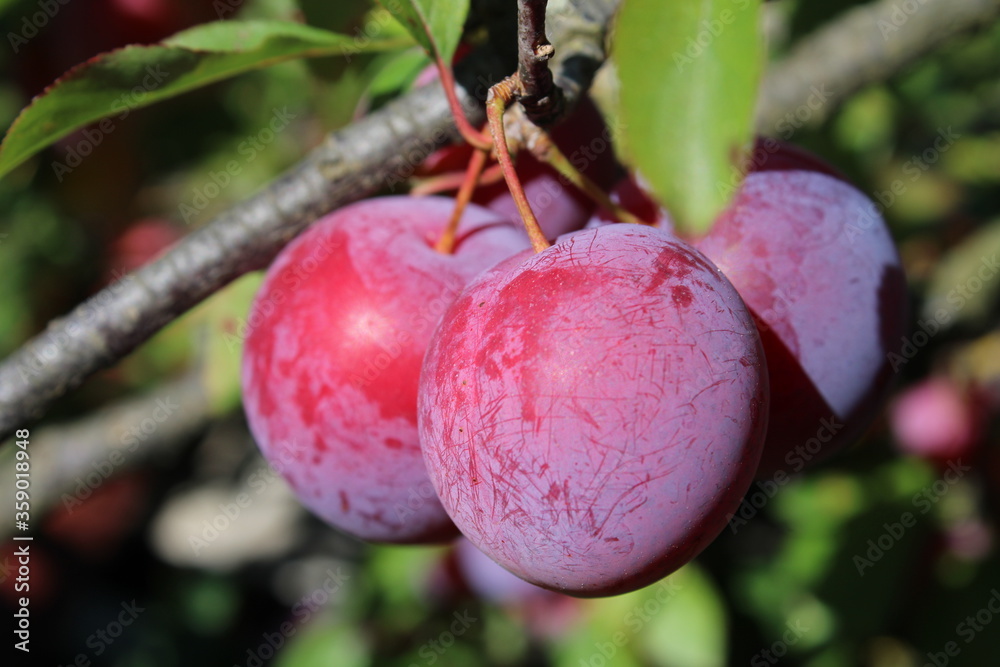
{"type": "Point", "coordinates": [866, 45]}
{"type": "Point", "coordinates": [384, 148]}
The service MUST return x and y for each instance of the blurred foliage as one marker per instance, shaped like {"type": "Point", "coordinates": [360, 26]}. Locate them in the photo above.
{"type": "Point", "coordinates": [813, 573]}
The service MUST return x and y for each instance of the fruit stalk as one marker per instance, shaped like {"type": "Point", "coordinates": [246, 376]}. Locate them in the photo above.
{"type": "Point", "coordinates": [452, 181]}
{"type": "Point", "coordinates": [543, 148]}
{"type": "Point", "coordinates": [468, 132]}
{"type": "Point", "coordinates": [497, 100]}
{"type": "Point", "coordinates": [446, 243]}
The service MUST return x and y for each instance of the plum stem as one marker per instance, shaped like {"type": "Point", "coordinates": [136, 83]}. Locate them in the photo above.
{"type": "Point", "coordinates": [453, 180]}
{"type": "Point", "coordinates": [543, 148]}
{"type": "Point", "coordinates": [497, 100]}
{"type": "Point", "coordinates": [446, 244]}
{"type": "Point", "coordinates": [476, 138]}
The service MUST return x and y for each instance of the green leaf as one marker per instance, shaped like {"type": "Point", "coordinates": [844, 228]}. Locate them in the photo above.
{"type": "Point", "coordinates": [111, 85]}
{"type": "Point", "coordinates": [689, 71]}
{"type": "Point", "coordinates": [964, 285]}
{"type": "Point", "coordinates": [691, 628]}
{"type": "Point", "coordinates": [396, 72]}
{"type": "Point", "coordinates": [435, 24]}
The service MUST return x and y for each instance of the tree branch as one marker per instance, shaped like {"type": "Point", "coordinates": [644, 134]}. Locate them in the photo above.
{"type": "Point", "coordinates": [867, 44]}
{"type": "Point", "coordinates": [350, 164]}
{"type": "Point", "coordinates": [69, 462]}
{"type": "Point", "coordinates": [383, 149]}
{"type": "Point", "coordinates": [377, 152]}
{"type": "Point", "coordinates": [541, 98]}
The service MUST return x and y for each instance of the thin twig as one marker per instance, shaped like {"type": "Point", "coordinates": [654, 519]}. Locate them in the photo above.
{"type": "Point", "coordinates": [452, 181]}
{"type": "Point", "coordinates": [541, 98]}
{"type": "Point", "coordinates": [473, 136]}
{"type": "Point", "coordinates": [500, 96]}
{"type": "Point", "coordinates": [546, 151]}
{"type": "Point", "coordinates": [446, 243]}
{"type": "Point", "coordinates": [866, 44]}
{"type": "Point", "coordinates": [383, 149]}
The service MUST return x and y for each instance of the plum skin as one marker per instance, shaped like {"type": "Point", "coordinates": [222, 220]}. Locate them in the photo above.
{"type": "Point", "coordinates": [332, 358]}
{"type": "Point", "coordinates": [817, 267]}
{"type": "Point", "coordinates": [591, 414]}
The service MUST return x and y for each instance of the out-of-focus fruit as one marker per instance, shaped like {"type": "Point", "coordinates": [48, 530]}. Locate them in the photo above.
{"type": "Point", "coordinates": [815, 263]}
{"type": "Point", "coordinates": [936, 420]}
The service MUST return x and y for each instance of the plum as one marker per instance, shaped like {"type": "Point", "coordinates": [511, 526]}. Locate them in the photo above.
{"type": "Point", "coordinates": [816, 265]}
{"type": "Point", "coordinates": [336, 337]}
{"type": "Point", "coordinates": [936, 420]}
{"type": "Point", "coordinates": [590, 414]}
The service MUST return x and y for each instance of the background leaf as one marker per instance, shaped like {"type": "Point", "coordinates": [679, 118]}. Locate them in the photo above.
{"type": "Point", "coordinates": [963, 286]}
{"type": "Point", "coordinates": [435, 24]}
{"type": "Point", "coordinates": [113, 84]}
{"type": "Point", "coordinates": [689, 72]}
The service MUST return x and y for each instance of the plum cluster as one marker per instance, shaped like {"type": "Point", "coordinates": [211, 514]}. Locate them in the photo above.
{"type": "Point", "coordinates": [588, 416]}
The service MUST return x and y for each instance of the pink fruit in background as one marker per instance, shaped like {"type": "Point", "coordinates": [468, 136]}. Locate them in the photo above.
{"type": "Point", "coordinates": [628, 194]}
{"type": "Point", "coordinates": [141, 243]}
{"type": "Point", "coordinates": [544, 613]}
{"type": "Point", "coordinates": [767, 155]}
{"type": "Point", "coordinates": [815, 263]}
{"type": "Point", "coordinates": [336, 338]}
{"type": "Point", "coordinates": [936, 420]}
{"type": "Point", "coordinates": [488, 580]}
{"type": "Point", "coordinates": [590, 414]}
